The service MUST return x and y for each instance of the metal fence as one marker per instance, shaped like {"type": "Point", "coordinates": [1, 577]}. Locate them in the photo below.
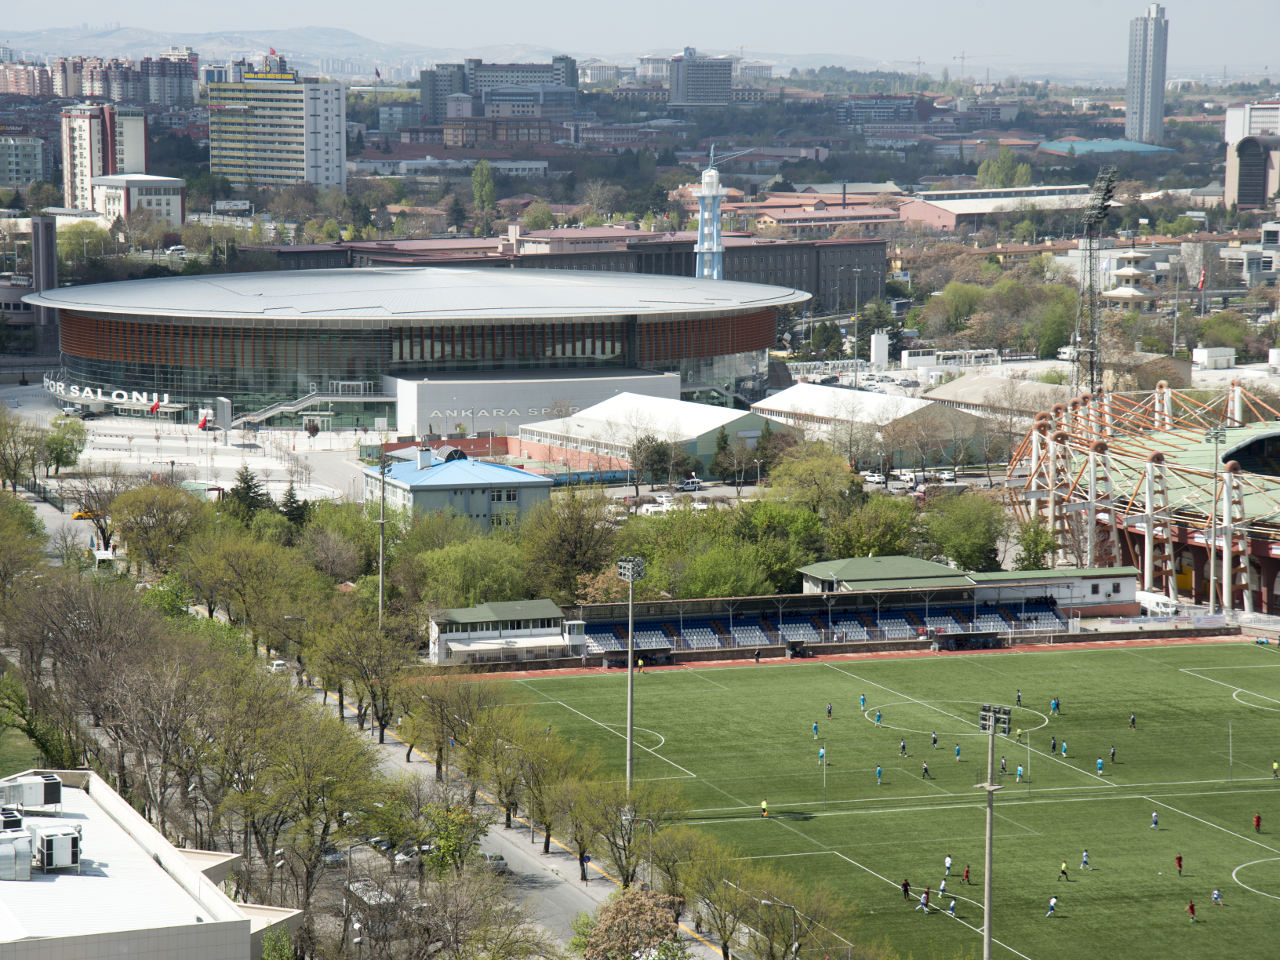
{"type": "Point", "coordinates": [46, 493]}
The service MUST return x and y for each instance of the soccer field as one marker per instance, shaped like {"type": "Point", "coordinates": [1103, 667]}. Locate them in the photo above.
{"type": "Point", "coordinates": [1208, 730]}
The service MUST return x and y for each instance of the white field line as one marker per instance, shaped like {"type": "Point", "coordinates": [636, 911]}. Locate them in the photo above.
{"type": "Point", "coordinates": [967, 722]}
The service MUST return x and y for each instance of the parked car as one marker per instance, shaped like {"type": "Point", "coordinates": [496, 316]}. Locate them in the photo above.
{"type": "Point", "coordinates": [496, 862]}
{"type": "Point", "coordinates": [278, 666]}
{"type": "Point", "coordinates": [85, 515]}
{"type": "Point", "coordinates": [875, 478]}
{"type": "Point", "coordinates": [946, 476]}
{"type": "Point", "coordinates": [691, 485]}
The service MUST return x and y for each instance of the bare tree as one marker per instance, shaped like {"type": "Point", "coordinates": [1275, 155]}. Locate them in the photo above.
{"type": "Point", "coordinates": [95, 492]}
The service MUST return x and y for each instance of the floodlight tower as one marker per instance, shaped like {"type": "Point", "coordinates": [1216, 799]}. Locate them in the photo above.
{"type": "Point", "coordinates": [991, 720]}
{"type": "Point", "coordinates": [710, 246]}
{"type": "Point", "coordinates": [1088, 339]}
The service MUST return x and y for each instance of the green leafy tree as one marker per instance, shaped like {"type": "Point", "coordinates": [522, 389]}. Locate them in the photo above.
{"type": "Point", "coordinates": [884, 526]}
{"type": "Point", "coordinates": [966, 529]}
{"type": "Point", "coordinates": [64, 443]}
{"type": "Point", "coordinates": [483, 193]}
{"type": "Point", "coordinates": [157, 522]}
{"type": "Point", "coordinates": [538, 216]}
{"type": "Point", "coordinates": [817, 479]}
{"type": "Point", "coordinates": [565, 538]}
{"type": "Point", "coordinates": [476, 570]}
{"type": "Point", "coordinates": [1036, 544]}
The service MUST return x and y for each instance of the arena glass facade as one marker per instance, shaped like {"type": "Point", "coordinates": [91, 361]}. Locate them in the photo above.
{"type": "Point", "coordinates": [286, 352]}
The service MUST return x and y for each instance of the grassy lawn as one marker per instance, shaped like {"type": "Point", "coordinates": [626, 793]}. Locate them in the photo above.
{"type": "Point", "coordinates": [1208, 729]}
{"type": "Point", "coordinates": [17, 753]}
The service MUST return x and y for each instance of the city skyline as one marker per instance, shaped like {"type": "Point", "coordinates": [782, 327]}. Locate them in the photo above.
{"type": "Point", "coordinates": [990, 35]}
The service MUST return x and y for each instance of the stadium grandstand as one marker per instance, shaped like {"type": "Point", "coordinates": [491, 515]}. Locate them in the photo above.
{"type": "Point", "coordinates": [1181, 485]}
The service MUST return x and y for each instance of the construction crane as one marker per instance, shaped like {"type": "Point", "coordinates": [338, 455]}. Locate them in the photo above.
{"type": "Point", "coordinates": [1087, 369]}
{"type": "Point", "coordinates": [919, 63]}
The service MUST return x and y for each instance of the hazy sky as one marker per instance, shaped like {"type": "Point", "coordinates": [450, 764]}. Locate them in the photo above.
{"type": "Point", "coordinates": [1204, 36]}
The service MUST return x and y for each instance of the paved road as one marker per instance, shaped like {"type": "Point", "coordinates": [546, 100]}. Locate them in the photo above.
{"type": "Point", "coordinates": [549, 883]}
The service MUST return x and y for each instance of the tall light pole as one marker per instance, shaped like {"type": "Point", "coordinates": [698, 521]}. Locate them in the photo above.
{"type": "Point", "coordinates": [632, 818]}
{"type": "Point", "coordinates": [857, 316]}
{"type": "Point", "coordinates": [1215, 435]}
{"type": "Point", "coordinates": [384, 463]}
{"type": "Point", "coordinates": [631, 569]}
{"type": "Point", "coordinates": [991, 720]}
{"type": "Point", "coordinates": [757, 463]}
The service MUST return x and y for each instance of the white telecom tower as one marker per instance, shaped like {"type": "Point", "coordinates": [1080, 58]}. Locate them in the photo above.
{"type": "Point", "coordinates": [710, 246]}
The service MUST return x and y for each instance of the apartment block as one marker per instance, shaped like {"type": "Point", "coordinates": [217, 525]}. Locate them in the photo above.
{"type": "Point", "coordinates": [275, 128]}
{"type": "Point", "coordinates": [22, 160]}
{"type": "Point", "coordinates": [99, 140]}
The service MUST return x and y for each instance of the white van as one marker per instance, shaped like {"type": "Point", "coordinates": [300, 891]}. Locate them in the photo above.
{"type": "Point", "coordinates": [1156, 604]}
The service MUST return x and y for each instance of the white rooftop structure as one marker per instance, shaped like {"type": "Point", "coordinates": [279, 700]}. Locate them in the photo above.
{"type": "Point", "coordinates": [623, 417]}
{"type": "Point", "coordinates": [418, 293]}
{"type": "Point", "coordinates": [837, 403]}
{"type": "Point", "coordinates": [134, 895]}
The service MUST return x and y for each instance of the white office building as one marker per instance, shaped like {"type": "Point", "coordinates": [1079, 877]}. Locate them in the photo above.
{"type": "Point", "coordinates": [121, 195]}
{"type": "Point", "coordinates": [274, 128]}
{"type": "Point", "coordinates": [1144, 92]}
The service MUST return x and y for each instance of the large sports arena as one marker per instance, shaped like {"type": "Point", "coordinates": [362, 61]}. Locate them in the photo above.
{"type": "Point", "coordinates": [481, 347]}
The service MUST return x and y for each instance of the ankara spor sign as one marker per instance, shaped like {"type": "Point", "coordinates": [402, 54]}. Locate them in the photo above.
{"type": "Point", "coordinates": [74, 391]}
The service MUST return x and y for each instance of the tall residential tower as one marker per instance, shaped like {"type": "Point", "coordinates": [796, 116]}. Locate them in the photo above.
{"type": "Point", "coordinates": [100, 140]}
{"type": "Point", "coordinates": [1144, 93]}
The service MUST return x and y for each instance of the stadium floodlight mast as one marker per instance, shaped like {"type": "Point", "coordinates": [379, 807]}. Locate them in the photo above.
{"type": "Point", "coordinates": [1217, 436]}
{"type": "Point", "coordinates": [991, 720]}
{"type": "Point", "coordinates": [631, 569]}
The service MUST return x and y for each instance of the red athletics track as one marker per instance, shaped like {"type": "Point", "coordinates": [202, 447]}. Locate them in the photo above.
{"type": "Point", "coordinates": [883, 655]}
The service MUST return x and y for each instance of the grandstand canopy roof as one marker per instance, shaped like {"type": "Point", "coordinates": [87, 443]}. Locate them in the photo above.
{"type": "Point", "coordinates": [884, 574]}
{"type": "Point", "coordinates": [421, 293]}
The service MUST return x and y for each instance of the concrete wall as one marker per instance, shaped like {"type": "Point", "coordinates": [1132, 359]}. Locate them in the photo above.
{"type": "Point", "coordinates": [438, 405]}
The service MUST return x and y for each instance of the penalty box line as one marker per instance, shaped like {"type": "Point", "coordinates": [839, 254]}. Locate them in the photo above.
{"type": "Point", "coordinates": [953, 716]}
{"type": "Point", "coordinates": [689, 774]}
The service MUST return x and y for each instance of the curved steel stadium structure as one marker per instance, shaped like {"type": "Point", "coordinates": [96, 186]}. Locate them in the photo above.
{"type": "Point", "coordinates": [269, 338]}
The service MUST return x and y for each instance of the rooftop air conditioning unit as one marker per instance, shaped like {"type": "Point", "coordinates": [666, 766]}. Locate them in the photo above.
{"type": "Point", "coordinates": [10, 819]}
{"type": "Point", "coordinates": [15, 855]}
{"type": "Point", "coordinates": [36, 790]}
{"type": "Point", "coordinates": [57, 847]}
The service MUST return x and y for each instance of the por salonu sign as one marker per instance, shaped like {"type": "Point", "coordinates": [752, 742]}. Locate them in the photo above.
{"type": "Point", "coordinates": [74, 391]}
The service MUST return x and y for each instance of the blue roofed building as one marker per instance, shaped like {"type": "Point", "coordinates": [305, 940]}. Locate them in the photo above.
{"type": "Point", "coordinates": [1075, 147]}
{"type": "Point", "coordinates": [488, 494]}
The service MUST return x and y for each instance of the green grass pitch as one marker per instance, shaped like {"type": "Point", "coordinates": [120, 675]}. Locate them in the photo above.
{"type": "Point", "coordinates": [1208, 730]}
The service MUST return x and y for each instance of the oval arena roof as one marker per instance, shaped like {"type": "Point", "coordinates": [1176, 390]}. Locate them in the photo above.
{"type": "Point", "coordinates": [416, 293]}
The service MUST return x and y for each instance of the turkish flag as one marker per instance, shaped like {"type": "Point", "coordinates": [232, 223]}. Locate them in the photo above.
{"type": "Point", "coordinates": [203, 421]}
{"type": "Point", "coordinates": [1200, 286]}
{"type": "Point", "coordinates": [273, 51]}
{"type": "Point", "coordinates": [155, 406]}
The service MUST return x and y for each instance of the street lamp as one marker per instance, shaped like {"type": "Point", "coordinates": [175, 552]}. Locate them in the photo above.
{"type": "Point", "coordinates": [631, 569]}
{"type": "Point", "coordinates": [1215, 435]}
{"type": "Point", "coordinates": [757, 463]}
{"type": "Point", "coordinates": [991, 720]}
{"type": "Point", "coordinates": [857, 315]}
